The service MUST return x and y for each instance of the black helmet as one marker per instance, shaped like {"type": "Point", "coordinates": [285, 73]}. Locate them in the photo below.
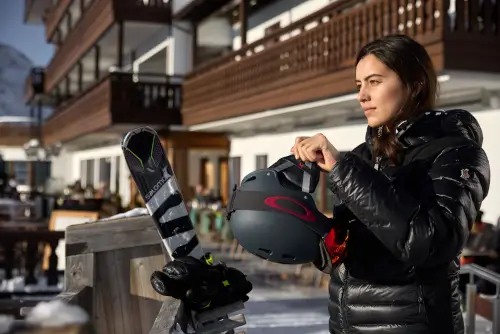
{"type": "Point", "coordinates": [273, 215]}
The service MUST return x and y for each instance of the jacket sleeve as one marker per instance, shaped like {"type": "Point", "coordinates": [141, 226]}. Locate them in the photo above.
{"type": "Point", "coordinates": [414, 230]}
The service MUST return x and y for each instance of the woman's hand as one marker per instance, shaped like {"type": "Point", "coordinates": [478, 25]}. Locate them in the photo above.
{"type": "Point", "coordinates": [316, 149]}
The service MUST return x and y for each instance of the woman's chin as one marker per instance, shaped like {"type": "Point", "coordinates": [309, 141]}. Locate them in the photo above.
{"type": "Point", "coordinates": [373, 122]}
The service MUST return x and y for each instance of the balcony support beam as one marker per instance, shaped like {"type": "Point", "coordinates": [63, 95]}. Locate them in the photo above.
{"type": "Point", "coordinates": [69, 21]}
{"type": "Point", "coordinates": [194, 43]}
{"type": "Point", "coordinates": [120, 39]}
{"type": "Point", "coordinates": [97, 59]}
{"type": "Point", "coordinates": [80, 77]}
{"type": "Point", "coordinates": [57, 94]}
{"type": "Point", "coordinates": [243, 21]}
{"type": "Point", "coordinates": [67, 87]}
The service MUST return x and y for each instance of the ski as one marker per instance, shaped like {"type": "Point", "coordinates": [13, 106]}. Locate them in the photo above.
{"type": "Point", "coordinates": [151, 171]}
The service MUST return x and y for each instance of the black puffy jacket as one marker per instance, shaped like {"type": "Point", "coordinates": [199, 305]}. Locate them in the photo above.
{"type": "Point", "coordinates": [407, 226]}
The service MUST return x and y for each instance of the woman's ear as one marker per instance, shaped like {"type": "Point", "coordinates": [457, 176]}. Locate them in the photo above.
{"type": "Point", "coordinates": [417, 87]}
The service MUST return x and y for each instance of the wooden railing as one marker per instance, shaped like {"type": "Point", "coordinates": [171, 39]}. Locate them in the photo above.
{"type": "Point", "coordinates": [28, 89]}
{"type": "Point", "coordinates": [153, 94]}
{"type": "Point", "coordinates": [54, 17]}
{"type": "Point", "coordinates": [94, 22]}
{"type": "Point", "coordinates": [328, 41]}
{"type": "Point", "coordinates": [117, 98]}
{"type": "Point", "coordinates": [28, 6]}
{"type": "Point", "coordinates": [23, 252]}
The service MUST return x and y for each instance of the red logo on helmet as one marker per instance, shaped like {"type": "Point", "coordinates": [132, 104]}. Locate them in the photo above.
{"type": "Point", "coordinates": [272, 202]}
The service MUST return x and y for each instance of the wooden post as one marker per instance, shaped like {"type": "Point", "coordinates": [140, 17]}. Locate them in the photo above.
{"type": "Point", "coordinates": [108, 269]}
{"type": "Point", "coordinates": [243, 21]}
{"type": "Point", "coordinates": [179, 159]}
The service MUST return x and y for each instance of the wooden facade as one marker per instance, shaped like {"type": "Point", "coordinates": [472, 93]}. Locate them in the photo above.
{"type": "Point", "coordinates": [14, 135]}
{"type": "Point", "coordinates": [95, 20]}
{"type": "Point", "coordinates": [313, 58]}
{"type": "Point", "coordinates": [115, 99]}
{"type": "Point", "coordinates": [54, 16]}
{"type": "Point", "coordinates": [98, 17]}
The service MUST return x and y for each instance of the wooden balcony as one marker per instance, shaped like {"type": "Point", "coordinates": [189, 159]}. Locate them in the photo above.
{"type": "Point", "coordinates": [314, 58]}
{"type": "Point", "coordinates": [116, 100]}
{"type": "Point", "coordinates": [54, 17]}
{"type": "Point", "coordinates": [97, 19]}
{"type": "Point", "coordinates": [34, 10]}
{"type": "Point", "coordinates": [12, 134]}
{"type": "Point", "coordinates": [28, 90]}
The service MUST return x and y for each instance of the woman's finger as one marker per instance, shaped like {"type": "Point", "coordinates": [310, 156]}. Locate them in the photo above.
{"type": "Point", "coordinates": [310, 152]}
{"type": "Point", "coordinates": [300, 139]}
{"type": "Point", "coordinates": [302, 153]}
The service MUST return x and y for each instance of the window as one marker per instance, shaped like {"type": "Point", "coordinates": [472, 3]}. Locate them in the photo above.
{"type": "Point", "coordinates": [104, 172]}
{"type": "Point", "coordinates": [261, 161]}
{"type": "Point", "coordinates": [234, 172]}
{"type": "Point", "coordinates": [20, 171]}
{"type": "Point", "coordinates": [117, 177]}
{"type": "Point", "coordinates": [42, 172]}
{"type": "Point", "coordinates": [89, 173]}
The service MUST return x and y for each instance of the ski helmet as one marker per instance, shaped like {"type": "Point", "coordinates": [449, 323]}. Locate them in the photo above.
{"type": "Point", "coordinates": [273, 215]}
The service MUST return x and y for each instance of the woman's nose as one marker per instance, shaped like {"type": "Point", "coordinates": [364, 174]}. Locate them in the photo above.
{"type": "Point", "coordinates": [362, 95]}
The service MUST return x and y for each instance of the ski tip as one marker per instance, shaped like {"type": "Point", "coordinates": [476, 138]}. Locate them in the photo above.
{"type": "Point", "coordinates": [128, 135]}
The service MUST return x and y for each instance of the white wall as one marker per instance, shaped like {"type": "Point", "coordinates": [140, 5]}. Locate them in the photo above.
{"type": "Point", "coordinates": [283, 11]}
{"type": "Point", "coordinates": [62, 166]}
{"type": "Point", "coordinates": [10, 153]}
{"type": "Point", "coordinates": [180, 50]}
{"type": "Point", "coordinates": [348, 137]}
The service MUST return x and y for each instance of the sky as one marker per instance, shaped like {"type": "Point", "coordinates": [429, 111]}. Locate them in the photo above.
{"type": "Point", "coordinates": [27, 38]}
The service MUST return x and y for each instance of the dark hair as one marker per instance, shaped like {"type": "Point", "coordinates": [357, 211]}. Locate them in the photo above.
{"type": "Point", "coordinates": [412, 64]}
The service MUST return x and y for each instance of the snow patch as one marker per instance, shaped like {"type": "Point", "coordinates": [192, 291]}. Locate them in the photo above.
{"type": "Point", "coordinates": [56, 313]}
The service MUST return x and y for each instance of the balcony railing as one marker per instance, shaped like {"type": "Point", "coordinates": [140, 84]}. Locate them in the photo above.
{"type": "Point", "coordinates": [54, 17]}
{"type": "Point", "coordinates": [94, 22]}
{"type": "Point", "coordinates": [119, 98]}
{"type": "Point", "coordinates": [323, 47]}
{"type": "Point", "coordinates": [28, 5]}
{"type": "Point", "coordinates": [28, 89]}
{"type": "Point", "coordinates": [29, 245]}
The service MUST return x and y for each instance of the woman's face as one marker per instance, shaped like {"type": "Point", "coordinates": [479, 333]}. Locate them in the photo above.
{"type": "Point", "coordinates": [381, 92]}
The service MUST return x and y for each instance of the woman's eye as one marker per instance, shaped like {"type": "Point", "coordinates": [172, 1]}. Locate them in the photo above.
{"type": "Point", "coordinates": [359, 87]}
{"type": "Point", "coordinates": [374, 82]}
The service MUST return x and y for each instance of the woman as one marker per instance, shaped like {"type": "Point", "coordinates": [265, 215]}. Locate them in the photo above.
{"type": "Point", "coordinates": [410, 193]}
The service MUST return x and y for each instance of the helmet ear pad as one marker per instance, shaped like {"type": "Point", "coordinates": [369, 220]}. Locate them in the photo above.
{"type": "Point", "coordinates": [275, 222]}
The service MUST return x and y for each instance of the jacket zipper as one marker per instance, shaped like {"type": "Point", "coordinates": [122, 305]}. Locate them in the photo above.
{"type": "Point", "coordinates": [377, 163]}
{"type": "Point", "coordinates": [420, 299]}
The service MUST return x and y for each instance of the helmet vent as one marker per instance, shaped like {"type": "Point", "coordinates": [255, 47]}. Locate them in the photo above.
{"type": "Point", "coordinates": [270, 252]}
{"type": "Point", "coordinates": [288, 257]}
{"type": "Point", "coordinates": [251, 178]}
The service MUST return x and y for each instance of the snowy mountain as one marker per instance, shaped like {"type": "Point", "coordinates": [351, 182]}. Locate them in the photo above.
{"type": "Point", "coordinates": [14, 69]}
